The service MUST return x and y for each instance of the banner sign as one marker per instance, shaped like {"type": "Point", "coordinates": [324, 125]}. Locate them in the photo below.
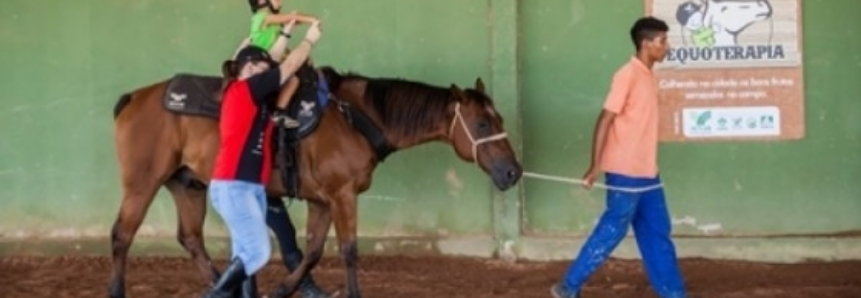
{"type": "Point", "coordinates": [734, 70]}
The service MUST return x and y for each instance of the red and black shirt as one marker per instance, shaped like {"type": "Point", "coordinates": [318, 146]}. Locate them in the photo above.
{"type": "Point", "coordinates": [246, 130]}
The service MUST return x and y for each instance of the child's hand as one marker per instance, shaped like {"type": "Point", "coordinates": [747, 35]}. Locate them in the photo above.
{"type": "Point", "coordinates": [303, 18]}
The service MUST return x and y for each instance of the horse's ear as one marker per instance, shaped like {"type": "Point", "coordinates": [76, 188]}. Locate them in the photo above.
{"type": "Point", "coordinates": [479, 85]}
{"type": "Point", "coordinates": [456, 90]}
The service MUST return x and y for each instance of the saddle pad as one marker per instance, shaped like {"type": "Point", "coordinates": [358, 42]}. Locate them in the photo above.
{"type": "Point", "coordinates": [196, 95]}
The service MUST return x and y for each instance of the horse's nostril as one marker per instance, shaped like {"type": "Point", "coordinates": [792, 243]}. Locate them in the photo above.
{"type": "Point", "coordinates": [512, 173]}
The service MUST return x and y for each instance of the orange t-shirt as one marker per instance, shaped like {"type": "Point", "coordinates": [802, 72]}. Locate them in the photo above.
{"type": "Point", "coordinates": [632, 140]}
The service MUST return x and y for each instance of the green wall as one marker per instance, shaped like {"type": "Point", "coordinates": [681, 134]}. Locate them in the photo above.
{"type": "Point", "coordinates": [71, 63]}
{"type": "Point", "coordinates": [547, 63]}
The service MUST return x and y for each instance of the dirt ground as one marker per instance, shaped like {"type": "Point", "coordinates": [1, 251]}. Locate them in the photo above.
{"type": "Point", "coordinates": [420, 277]}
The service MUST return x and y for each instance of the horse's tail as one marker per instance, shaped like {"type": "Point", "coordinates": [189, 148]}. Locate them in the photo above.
{"type": "Point", "coordinates": [333, 78]}
{"type": "Point", "coordinates": [124, 100]}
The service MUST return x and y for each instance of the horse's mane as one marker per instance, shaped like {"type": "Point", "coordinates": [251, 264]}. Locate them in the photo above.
{"type": "Point", "coordinates": [405, 107]}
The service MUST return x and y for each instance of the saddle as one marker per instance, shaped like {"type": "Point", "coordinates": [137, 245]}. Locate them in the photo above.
{"type": "Point", "coordinates": [200, 96]}
{"type": "Point", "coordinates": [306, 106]}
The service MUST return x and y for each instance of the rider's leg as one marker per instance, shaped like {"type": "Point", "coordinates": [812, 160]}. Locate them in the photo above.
{"type": "Point", "coordinates": [282, 226]}
{"type": "Point", "coordinates": [284, 97]}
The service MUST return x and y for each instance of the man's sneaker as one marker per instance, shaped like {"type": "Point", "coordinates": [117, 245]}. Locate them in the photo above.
{"type": "Point", "coordinates": [561, 291]}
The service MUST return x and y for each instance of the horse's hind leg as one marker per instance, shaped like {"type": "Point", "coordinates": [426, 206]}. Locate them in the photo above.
{"type": "Point", "coordinates": [137, 198]}
{"type": "Point", "coordinates": [191, 213]}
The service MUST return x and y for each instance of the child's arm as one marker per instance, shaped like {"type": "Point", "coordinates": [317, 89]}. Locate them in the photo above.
{"type": "Point", "coordinates": [286, 18]}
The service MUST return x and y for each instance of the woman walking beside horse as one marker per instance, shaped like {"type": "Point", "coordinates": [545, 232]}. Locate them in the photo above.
{"type": "Point", "coordinates": [270, 30]}
{"type": "Point", "coordinates": [242, 165]}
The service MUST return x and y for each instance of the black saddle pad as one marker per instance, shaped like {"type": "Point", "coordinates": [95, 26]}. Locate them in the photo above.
{"type": "Point", "coordinates": [192, 94]}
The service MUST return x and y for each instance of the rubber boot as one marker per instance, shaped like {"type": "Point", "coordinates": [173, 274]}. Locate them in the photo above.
{"type": "Point", "coordinates": [229, 282]}
{"type": "Point", "coordinates": [249, 287]}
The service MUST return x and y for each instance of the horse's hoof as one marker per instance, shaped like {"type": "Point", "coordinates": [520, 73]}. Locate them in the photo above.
{"type": "Point", "coordinates": [309, 289]}
{"type": "Point", "coordinates": [315, 292]}
{"type": "Point", "coordinates": [282, 291]}
{"type": "Point", "coordinates": [116, 291]}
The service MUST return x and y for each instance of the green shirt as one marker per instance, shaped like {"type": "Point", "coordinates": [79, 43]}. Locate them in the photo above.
{"type": "Point", "coordinates": [263, 37]}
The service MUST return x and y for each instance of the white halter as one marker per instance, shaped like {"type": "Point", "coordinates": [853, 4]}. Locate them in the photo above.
{"type": "Point", "coordinates": [475, 143]}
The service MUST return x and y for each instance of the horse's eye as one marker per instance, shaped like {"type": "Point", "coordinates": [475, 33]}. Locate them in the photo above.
{"type": "Point", "coordinates": [483, 124]}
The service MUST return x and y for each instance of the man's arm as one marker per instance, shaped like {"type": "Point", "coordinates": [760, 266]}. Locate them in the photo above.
{"type": "Point", "coordinates": [599, 137]}
{"type": "Point", "coordinates": [613, 105]}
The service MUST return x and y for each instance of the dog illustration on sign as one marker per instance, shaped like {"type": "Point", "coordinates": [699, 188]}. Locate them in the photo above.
{"type": "Point", "coordinates": [717, 23]}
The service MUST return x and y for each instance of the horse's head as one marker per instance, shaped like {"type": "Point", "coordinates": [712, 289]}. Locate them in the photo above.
{"type": "Point", "coordinates": [477, 134]}
{"type": "Point", "coordinates": [733, 16]}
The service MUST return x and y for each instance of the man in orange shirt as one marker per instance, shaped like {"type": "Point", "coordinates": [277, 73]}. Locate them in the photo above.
{"type": "Point", "coordinates": [625, 146]}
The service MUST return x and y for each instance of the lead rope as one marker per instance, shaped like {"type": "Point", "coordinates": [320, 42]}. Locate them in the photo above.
{"type": "Point", "coordinates": [458, 117]}
{"type": "Point", "coordinates": [596, 184]}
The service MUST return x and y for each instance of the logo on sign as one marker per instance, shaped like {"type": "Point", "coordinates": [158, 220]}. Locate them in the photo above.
{"type": "Point", "coordinates": [711, 28]}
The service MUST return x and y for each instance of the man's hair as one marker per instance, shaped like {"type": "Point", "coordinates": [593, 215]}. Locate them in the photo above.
{"type": "Point", "coordinates": [647, 28]}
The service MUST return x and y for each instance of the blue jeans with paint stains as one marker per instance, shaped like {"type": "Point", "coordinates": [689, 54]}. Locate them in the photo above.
{"type": "Point", "coordinates": [242, 206]}
{"type": "Point", "coordinates": [647, 213]}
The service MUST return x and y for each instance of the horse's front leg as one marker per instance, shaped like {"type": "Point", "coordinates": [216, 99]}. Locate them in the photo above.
{"type": "Point", "coordinates": [345, 217]}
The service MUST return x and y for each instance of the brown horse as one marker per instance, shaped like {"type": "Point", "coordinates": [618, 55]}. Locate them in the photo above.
{"type": "Point", "coordinates": [157, 147]}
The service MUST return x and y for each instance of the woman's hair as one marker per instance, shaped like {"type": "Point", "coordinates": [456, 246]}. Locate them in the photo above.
{"type": "Point", "coordinates": [229, 70]}
{"type": "Point", "coordinates": [229, 74]}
